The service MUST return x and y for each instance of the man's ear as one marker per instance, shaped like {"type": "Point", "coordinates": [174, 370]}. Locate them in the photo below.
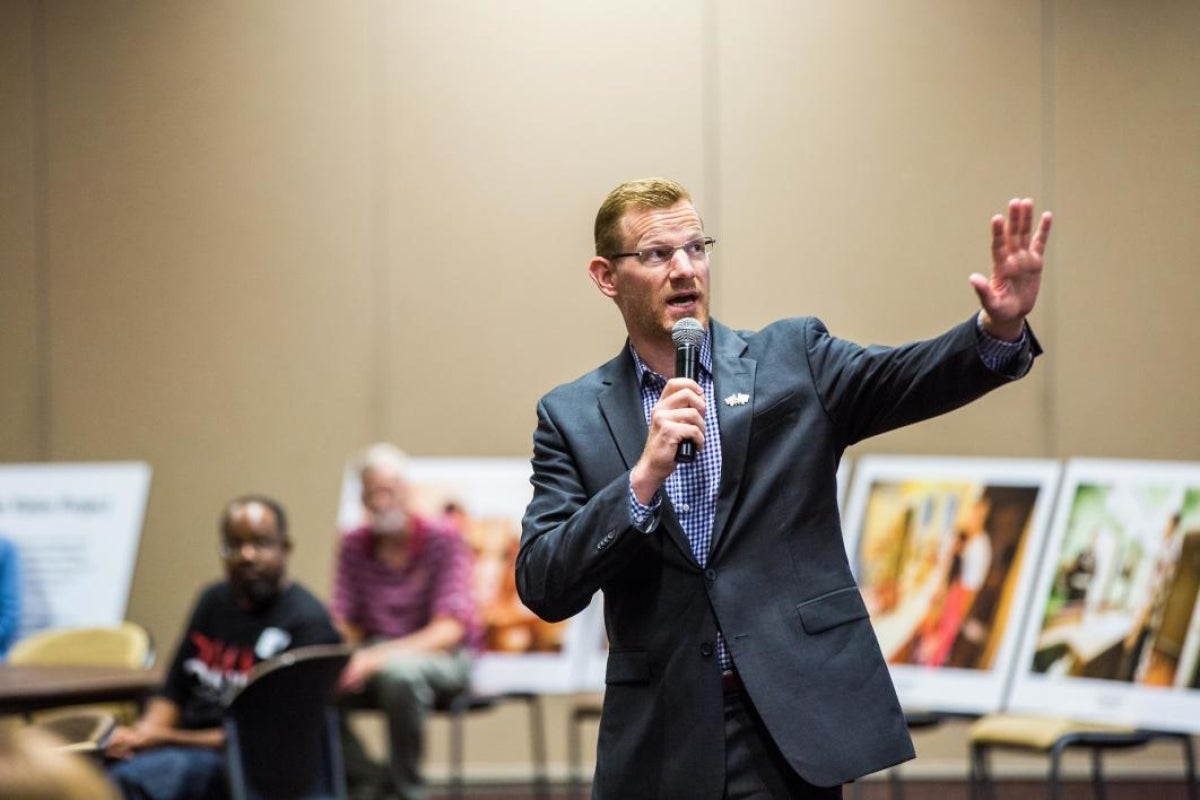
{"type": "Point", "coordinates": [602, 272]}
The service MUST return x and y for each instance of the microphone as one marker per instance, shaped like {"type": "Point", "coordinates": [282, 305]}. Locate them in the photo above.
{"type": "Point", "coordinates": [687, 336]}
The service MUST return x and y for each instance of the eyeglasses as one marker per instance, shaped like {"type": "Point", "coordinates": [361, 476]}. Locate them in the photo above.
{"type": "Point", "coordinates": [658, 255]}
{"type": "Point", "coordinates": [258, 545]}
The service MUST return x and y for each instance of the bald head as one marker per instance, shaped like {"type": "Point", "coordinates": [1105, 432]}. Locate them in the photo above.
{"type": "Point", "coordinates": [257, 512]}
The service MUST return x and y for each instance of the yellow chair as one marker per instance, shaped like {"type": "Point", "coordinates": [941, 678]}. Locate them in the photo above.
{"type": "Point", "coordinates": [1052, 736]}
{"type": "Point", "coordinates": [126, 644]}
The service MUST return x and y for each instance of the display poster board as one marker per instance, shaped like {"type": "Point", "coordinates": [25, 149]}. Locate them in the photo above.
{"type": "Point", "coordinates": [1116, 633]}
{"type": "Point", "coordinates": [945, 551]}
{"type": "Point", "coordinates": [76, 529]}
{"type": "Point", "coordinates": [486, 499]}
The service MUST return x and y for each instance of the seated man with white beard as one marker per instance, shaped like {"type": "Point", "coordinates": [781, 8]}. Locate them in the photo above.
{"type": "Point", "coordinates": [402, 592]}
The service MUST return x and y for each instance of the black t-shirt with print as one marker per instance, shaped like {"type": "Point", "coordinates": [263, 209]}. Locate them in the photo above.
{"type": "Point", "coordinates": [222, 642]}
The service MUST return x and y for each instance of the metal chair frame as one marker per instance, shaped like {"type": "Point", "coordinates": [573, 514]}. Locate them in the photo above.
{"type": "Point", "coordinates": [1096, 742]}
{"type": "Point", "coordinates": [469, 702]}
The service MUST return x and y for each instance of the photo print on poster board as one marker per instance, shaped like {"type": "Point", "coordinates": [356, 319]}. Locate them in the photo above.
{"type": "Point", "coordinates": [944, 551]}
{"type": "Point", "coordinates": [1115, 629]}
{"type": "Point", "coordinates": [485, 499]}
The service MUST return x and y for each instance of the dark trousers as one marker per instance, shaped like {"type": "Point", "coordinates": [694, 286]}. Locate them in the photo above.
{"type": "Point", "coordinates": [754, 767]}
{"type": "Point", "coordinates": [172, 773]}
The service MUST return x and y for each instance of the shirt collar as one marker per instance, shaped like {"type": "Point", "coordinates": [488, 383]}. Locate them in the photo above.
{"type": "Point", "coordinates": [705, 360]}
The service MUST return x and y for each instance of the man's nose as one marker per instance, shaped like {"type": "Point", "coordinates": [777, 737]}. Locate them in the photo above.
{"type": "Point", "coordinates": [681, 265]}
{"type": "Point", "coordinates": [245, 550]}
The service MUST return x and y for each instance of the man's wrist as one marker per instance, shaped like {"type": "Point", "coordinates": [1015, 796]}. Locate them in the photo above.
{"type": "Point", "coordinates": [1011, 331]}
{"type": "Point", "coordinates": [1009, 358]}
{"type": "Point", "coordinates": [643, 516]}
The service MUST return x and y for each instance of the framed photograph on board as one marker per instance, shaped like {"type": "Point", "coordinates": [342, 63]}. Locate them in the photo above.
{"type": "Point", "coordinates": [485, 499]}
{"type": "Point", "coordinates": [1115, 629]}
{"type": "Point", "coordinates": [944, 551]}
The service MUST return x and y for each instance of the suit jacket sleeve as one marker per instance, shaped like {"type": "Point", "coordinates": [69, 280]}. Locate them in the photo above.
{"type": "Point", "coordinates": [577, 530]}
{"type": "Point", "coordinates": [870, 390]}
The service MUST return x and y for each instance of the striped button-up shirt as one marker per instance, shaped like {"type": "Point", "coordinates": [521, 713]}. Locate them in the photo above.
{"type": "Point", "coordinates": [387, 603]}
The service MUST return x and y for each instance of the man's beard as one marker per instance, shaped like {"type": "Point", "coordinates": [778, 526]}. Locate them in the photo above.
{"type": "Point", "coordinates": [389, 522]}
{"type": "Point", "coordinates": [256, 593]}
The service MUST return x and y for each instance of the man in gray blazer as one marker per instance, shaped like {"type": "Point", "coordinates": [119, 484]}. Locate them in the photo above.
{"type": "Point", "coordinates": [742, 663]}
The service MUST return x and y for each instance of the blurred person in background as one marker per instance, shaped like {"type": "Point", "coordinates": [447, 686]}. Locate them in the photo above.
{"type": "Point", "coordinates": [402, 593]}
{"type": "Point", "coordinates": [175, 750]}
{"type": "Point", "coordinates": [32, 767]}
{"type": "Point", "coordinates": [10, 595]}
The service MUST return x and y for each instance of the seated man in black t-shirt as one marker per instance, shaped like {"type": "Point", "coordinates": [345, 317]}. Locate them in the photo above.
{"type": "Point", "coordinates": [174, 752]}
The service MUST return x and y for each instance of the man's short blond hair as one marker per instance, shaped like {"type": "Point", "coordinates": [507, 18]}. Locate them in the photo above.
{"type": "Point", "coordinates": [640, 194]}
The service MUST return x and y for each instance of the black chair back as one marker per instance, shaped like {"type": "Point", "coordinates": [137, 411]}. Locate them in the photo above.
{"type": "Point", "coordinates": [281, 729]}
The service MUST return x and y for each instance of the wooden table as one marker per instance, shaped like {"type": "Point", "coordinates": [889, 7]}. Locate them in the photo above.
{"type": "Point", "coordinates": [26, 688]}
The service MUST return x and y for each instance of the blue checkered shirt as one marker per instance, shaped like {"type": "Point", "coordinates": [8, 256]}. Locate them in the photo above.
{"type": "Point", "coordinates": [692, 487]}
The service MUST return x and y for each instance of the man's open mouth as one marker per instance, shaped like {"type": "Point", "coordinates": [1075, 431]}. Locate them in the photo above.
{"type": "Point", "coordinates": [683, 299]}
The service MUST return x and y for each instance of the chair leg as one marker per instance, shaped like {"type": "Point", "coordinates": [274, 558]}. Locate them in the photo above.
{"type": "Point", "coordinates": [979, 780]}
{"type": "Point", "coordinates": [1189, 765]}
{"type": "Point", "coordinates": [1056, 769]}
{"type": "Point", "coordinates": [574, 757]}
{"type": "Point", "coordinates": [537, 746]}
{"type": "Point", "coordinates": [456, 750]}
{"type": "Point", "coordinates": [895, 783]}
{"type": "Point", "coordinates": [973, 772]}
{"type": "Point", "coordinates": [1098, 773]}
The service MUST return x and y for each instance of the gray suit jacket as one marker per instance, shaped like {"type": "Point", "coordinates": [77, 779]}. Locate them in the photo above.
{"type": "Point", "coordinates": [777, 583]}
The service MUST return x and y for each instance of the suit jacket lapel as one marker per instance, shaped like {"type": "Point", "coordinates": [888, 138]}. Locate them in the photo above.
{"type": "Point", "coordinates": [621, 407]}
{"type": "Point", "coordinates": [733, 380]}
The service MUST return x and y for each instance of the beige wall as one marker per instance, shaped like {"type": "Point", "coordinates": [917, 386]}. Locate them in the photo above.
{"type": "Point", "coordinates": [240, 239]}
{"type": "Point", "coordinates": [21, 271]}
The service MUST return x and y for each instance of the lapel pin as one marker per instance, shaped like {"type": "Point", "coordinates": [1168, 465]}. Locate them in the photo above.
{"type": "Point", "coordinates": [737, 399]}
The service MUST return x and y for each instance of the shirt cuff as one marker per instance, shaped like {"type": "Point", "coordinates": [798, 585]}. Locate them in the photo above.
{"type": "Point", "coordinates": [1011, 359]}
{"type": "Point", "coordinates": [644, 517]}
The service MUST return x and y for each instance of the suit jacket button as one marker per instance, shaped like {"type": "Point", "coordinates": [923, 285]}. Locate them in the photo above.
{"type": "Point", "coordinates": [710, 575]}
{"type": "Point", "coordinates": [706, 649]}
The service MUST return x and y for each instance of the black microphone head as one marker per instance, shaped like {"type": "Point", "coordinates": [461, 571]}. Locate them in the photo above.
{"type": "Point", "coordinates": [687, 331]}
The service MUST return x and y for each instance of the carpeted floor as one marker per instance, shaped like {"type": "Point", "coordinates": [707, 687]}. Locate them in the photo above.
{"type": "Point", "coordinates": [909, 790]}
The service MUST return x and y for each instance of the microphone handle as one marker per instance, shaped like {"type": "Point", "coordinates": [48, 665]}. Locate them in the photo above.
{"type": "Point", "coordinates": [687, 365]}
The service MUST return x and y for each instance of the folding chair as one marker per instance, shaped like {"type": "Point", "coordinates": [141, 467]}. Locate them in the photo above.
{"type": "Point", "coordinates": [468, 702]}
{"type": "Point", "coordinates": [126, 644]}
{"type": "Point", "coordinates": [281, 729]}
{"type": "Point", "coordinates": [1053, 736]}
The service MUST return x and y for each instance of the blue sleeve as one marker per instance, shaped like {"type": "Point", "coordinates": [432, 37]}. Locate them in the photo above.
{"type": "Point", "coordinates": [10, 595]}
